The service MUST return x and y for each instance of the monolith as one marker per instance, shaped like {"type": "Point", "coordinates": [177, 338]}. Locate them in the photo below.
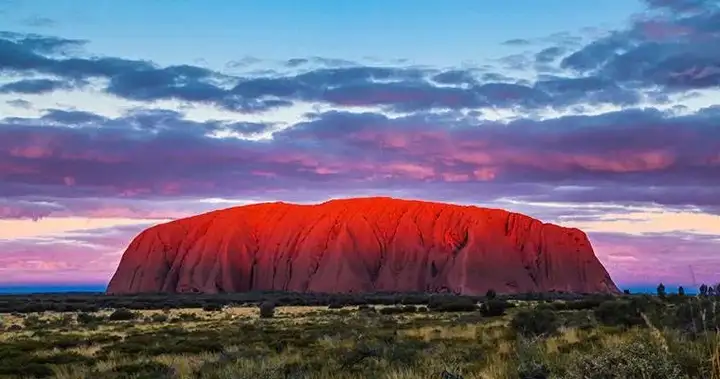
{"type": "Point", "coordinates": [360, 245]}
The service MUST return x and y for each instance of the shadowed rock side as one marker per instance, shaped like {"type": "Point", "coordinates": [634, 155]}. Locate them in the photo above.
{"type": "Point", "coordinates": [360, 245]}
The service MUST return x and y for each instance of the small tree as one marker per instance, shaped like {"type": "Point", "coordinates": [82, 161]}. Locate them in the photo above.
{"type": "Point", "coordinates": [703, 290]}
{"type": "Point", "coordinates": [626, 292]}
{"type": "Point", "coordinates": [661, 290]}
{"type": "Point", "coordinates": [681, 291]}
{"type": "Point", "coordinates": [493, 308]}
{"type": "Point", "coordinates": [717, 289]}
{"type": "Point", "coordinates": [711, 291]}
{"type": "Point", "coordinates": [490, 294]}
{"type": "Point", "coordinates": [267, 309]}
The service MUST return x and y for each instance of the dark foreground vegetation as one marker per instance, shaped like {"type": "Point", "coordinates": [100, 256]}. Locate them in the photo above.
{"type": "Point", "coordinates": [92, 302]}
{"type": "Point", "coordinates": [394, 336]}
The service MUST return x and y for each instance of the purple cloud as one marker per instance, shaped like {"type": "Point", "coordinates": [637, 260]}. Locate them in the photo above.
{"type": "Point", "coordinates": [643, 155]}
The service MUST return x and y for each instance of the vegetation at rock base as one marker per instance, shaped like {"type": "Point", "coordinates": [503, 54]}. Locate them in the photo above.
{"type": "Point", "coordinates": [392, 336]}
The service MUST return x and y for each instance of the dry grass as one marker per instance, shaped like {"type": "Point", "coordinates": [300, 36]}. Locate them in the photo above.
{"type": "Point", "coordinates": [325, 344]}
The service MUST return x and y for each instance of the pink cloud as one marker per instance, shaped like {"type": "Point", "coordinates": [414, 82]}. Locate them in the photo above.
{"type": "Point", "coordinates": [660, 258]}
{"type": "Point", "coordinates": [662, 30]}
{"type": "Point", "coordinates": [88, 257]}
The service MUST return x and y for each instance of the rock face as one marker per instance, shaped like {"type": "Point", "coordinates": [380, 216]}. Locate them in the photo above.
{"type": "Point", "coordinates": [360, 245]}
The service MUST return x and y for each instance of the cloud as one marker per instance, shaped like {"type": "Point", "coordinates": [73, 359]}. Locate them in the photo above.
{"type": "Point", "coordinates": [680, 5]}
{"type": "Point", "coordinates": [40, 22]}
{"type": "Point", "coordinates": [71, 257]}
{"type": "Point", "coordinates": [39, 208]}
{"type": "Point", "coordinates": [340, 83]}
{"type": "Point", "coordinates": [676, 259]}
{"type": "Point", "coordinates": [517, 42]}
{"type": "Point", "coordinates": [35, 86]}
{"type": "Point", "coordinates": [20, 103]}
{"type": "Point", "coordinates": [673, 49]}
{"type": "Point", "coordinates": [549, 54]}
{"type": "Point", "coordinates": [643, 155]}
{"type": "Point", "coordinates": [32, 46]}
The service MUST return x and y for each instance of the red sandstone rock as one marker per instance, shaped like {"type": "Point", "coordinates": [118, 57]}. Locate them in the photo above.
{"type": "Point", "coordinates": [360, 245]}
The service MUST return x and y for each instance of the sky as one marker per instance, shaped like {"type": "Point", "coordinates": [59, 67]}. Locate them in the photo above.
{"type": "Point", "coordinates": [603, 116]}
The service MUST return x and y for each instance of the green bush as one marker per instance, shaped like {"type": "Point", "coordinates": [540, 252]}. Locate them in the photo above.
{"type": "Point", "coordinates": [364, 308]}
{"type": "Point", "coordinates": [540, 321]}
{"type": "Point", "coordinates": [493, 308]}
{"type": "Point", "coordinates": [490, 294]}
{"type": "Point", "coordinates": [531, 364]}
{"type": "Point", "coordinates": [87, 318]}
{"type": "Point", "coordinates": [398, 310]}
{"type": "Point", "coordinates": [694, 315]}
{"type": "Point", "coordinates": [619, 313]}
{"type": "Point", "coordinates": [212, 307]}
{"type": "Point", "coordinates": [144, 370]}
{"type": "Point", "coordinates": [452, 304]}
{"type": "Point", "coordinates": [638, 359]}
{"type": "Point", "coordinates": [159, 317]}
{"type": "Point", "coordinates": [122, 314]}
{"type": "Point", "coordinates": [267, 309]}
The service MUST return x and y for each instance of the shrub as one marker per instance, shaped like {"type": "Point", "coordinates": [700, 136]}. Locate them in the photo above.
{"type": "Point", "coordinates": [493, 308]}
{"type": "Point", "coordinates": [390, 310]}
{"type": "Point", "coordinates": [618, 313]}
{"type": "Point", "coordinates": [398, 310]}
{"type": "Point", "coordinates": [122, 314]}
{"type": "Point", "coordinates": [531, 364]}
{"type": "Point", "coordinates": [159, 317]}
{"type": "Point", "coordinates": [267, 309]}
{"type": "Point", "coordinates": [491, 294]}
{"type": "Point", "coordinates": [87, 318]}
{"type": "Point", "coordinates": [694, 316]}
{"type": "Point", "coordinates": [576, 305]}
{"type": "Point", "coordinates": [452, 304]}
{"type": "Point", "coordinates": [212, 307]}
{"type": "Point", "coordinates": [638, 359]}
{"type": "Point", "coordinates": [185, 316]}
{"type": "Point", "coordinates": [540, 321]}
{"type": "Point", "coordinates": [144, 370]}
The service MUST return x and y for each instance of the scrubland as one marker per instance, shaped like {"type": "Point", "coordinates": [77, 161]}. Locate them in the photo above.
{"type": "Point", "coordinates": [391, 336]}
